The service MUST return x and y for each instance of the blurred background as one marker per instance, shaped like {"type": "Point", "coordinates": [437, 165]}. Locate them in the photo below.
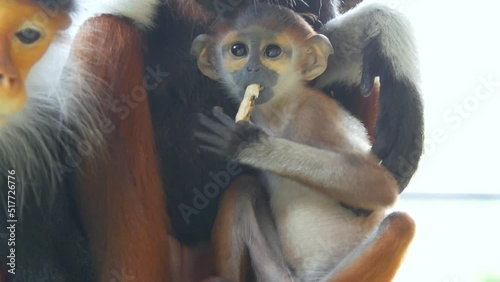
{"type": "Point", "coordinates": [455, 195]}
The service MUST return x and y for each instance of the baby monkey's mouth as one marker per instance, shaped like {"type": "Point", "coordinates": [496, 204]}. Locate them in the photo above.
{"type": "Point", "coordinates": [265, 91]}
{"type": "Point", "coordinates": [261, 87]}
{"type": "Point", "coordinates": [265, 95]}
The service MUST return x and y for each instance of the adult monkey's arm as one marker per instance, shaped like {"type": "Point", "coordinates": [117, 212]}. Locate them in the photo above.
{"type": "Point", "coordinates": [374, 40]}
{"type": "Point", "coordinates": [120, 191]}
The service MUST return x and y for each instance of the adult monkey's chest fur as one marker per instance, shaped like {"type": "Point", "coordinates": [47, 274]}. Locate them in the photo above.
{"type": "Point", "coordinates": [175, 103]}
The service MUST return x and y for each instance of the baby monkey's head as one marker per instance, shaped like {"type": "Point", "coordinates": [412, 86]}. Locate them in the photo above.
{"type": "Point", "coordinates": [263, 44]}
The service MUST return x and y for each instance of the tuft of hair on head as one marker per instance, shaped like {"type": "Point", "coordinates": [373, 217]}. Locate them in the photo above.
{"type": "Point", "coordinates": [267, 16]}
{"type": "Point", "coordinates": [56, 6]}
{"type": "Point", "coordinates": [312, 20]}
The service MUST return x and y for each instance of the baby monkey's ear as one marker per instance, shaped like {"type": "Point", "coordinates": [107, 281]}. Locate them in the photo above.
{"type": "Point", "coordinates": [317, 50]}
{"type": "Point", "coordinates": [64, 21]}
{"type": "Point", "coordinates": [201, 48]}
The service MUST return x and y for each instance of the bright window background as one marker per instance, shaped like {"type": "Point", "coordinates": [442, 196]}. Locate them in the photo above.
{"type": "Point", "coordinates": [455, 195]}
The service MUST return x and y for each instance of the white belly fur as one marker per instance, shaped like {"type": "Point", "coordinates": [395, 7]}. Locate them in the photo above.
{"type": "Point", "coordinates": [315, 230]}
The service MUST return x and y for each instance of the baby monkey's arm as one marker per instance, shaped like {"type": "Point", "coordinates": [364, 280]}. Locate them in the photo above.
{"type": "Point", "coordinates": [352, 178]}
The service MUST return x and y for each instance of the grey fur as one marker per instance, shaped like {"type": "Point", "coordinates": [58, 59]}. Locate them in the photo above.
{"type": "Point", "coordinates": [351, 32]}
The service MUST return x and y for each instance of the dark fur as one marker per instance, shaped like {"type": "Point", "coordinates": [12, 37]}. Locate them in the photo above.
{"type": "Point", "coordinates": [174, 108]}
{"type": "Point", "coordinates": [242, 134]}
{"type": "Point", "coordinates": [323, 9]}
{"type": "Point", "coordinates": [50, 242]}
{"type": "Point", "coordinates": [399, 144]}
{"type": "Point", "coordinates": [269, 17]}
{"type": "Point", "coordinates": [55, 6]}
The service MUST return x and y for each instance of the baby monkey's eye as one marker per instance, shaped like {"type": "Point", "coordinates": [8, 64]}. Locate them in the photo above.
{"type": "Point", "coordinates": [28, 35]}
{"type": "Point", "coordinates": [239, 49]}
{"type": "Point", "coordinates": [272, 51]}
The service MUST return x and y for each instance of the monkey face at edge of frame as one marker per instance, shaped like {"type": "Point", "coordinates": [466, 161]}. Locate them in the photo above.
{"type": "Point", "coordinates": [24, 38]}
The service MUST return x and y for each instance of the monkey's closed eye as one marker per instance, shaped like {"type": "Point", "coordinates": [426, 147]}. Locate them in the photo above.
{"type": "Point", "coordinates": [239, 50]}
{"type": "Point", "coordinates": [28, 35]}
{"type": "Point", "coordinates": [272, 51]}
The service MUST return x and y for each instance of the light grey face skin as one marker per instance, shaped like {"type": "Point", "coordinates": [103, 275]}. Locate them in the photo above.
{"type": "Point", "coordinates": [249, 59]}
{"type": "Point", "coordinates": [278, 61]}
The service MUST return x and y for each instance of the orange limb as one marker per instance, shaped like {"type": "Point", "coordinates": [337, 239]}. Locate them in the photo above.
{"type": "Point", "coordinates": [378, 259]}
{"type": "Point", "coordinates": [120, 191]}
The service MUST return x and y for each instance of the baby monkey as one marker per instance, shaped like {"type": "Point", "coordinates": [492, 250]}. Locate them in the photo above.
{"type": "Point", "coordinates": [315, 212]}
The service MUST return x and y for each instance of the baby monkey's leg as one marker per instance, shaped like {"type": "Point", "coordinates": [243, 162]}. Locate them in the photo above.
{"type": "Point", "coordinates": [239, 238]}
{"type": "Point", "coordinates": [379, 257]}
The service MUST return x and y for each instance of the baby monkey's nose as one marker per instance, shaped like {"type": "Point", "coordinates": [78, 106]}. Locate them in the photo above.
{"type": "Point", "coordinates": [253, 68]}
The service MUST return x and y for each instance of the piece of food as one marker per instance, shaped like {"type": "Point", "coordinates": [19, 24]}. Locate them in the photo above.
{"type": "Point", "coordinates": [246, 106]}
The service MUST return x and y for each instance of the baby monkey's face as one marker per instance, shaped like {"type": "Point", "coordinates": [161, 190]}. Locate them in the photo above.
{"type": "Point", "coordinates": [256, 56]}
{"type": "Point", "coordinates": [281, 60]}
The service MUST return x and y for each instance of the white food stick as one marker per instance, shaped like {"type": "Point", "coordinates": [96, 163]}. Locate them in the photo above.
{"type": "Point", "coordinates": [246, 106]}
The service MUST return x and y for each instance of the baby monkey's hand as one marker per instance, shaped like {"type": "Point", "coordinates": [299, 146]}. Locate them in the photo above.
{"type": "Point", "coordinates": [223, 136]}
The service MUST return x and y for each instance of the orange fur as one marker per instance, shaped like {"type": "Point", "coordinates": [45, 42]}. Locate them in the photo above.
{"type": "Point", "coordinates": [376, 260]}
{"type": "Point", "coordinates": [365, 108]}
{"type": "Point", "coordinates": [17, 58]}
{"type": "Point", "coordinates": [379, 260]}
{"type": "Point", "coordinates": [368, 110]}
{"type": "Point", "coordinates": [120, 193]}
{"type": "Point", "coordinates": [222, 228]}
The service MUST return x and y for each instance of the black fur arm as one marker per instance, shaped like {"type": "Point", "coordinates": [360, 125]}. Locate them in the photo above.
{"type": "Point", "coordinates": [373, 40]}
